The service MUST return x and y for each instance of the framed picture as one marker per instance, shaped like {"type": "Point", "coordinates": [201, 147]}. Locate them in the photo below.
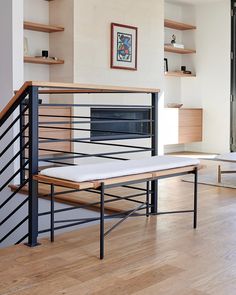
{"type": "Point", "coordinates": [166, 68]}
{"type": "Point", "coordinates": [124, 40]}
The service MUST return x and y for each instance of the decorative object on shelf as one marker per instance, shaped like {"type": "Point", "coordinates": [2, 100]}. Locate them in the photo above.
{"type": "Point", "coordinates": [26, 47]}
{"type": "Point", "coordinates": [174, 105]}
{"type": "Point", "coordinates": [124, 47]}
{"type": "Point", "coordinates": [166, 67]}
{"type": "Point", "coordinates": [45, 53]}
{"type": "Point", "coordinates": [179, 74]}
{"type": "Point", "coordinates": [173, 41]}
{"type": "Point", "coordinates": [174, 44]}
{"type": "Point", "coordinates": [185, 71]}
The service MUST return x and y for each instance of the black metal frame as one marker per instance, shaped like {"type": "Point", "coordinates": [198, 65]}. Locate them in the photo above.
{"type": "Point", "coordinates": [124, 215]}
{"type": "Point", "coordinates": [29, 143]}
{"type": "Point", "coordinates": [29, 146]}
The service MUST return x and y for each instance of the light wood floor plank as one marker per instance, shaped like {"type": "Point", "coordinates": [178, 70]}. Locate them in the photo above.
{"type": "Point", "coordinates": [161, 255]}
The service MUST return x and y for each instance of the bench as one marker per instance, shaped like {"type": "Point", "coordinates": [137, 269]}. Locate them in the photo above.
{"type": "Point", "coordinates": [115, 174]}
{"type": "Point", "coordinates": [228, 157]}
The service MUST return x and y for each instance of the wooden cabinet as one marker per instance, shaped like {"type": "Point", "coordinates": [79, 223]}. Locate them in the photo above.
{"type": "Point", "coordinates": [182, 125]}
{"type": "Point", "coordinates": [47, 114]}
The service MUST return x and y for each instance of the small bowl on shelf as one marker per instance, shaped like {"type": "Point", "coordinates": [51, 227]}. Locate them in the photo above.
{"type": "Point", "coordinates": [174, 105]}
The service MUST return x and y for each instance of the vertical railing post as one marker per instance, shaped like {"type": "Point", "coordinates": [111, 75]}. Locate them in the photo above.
{"type": "Point", "coordinates": [22, 143]}
{"type": "Point", "coordinates": [33, 166]}
{"type": "Point", "coordinates": [154, 185]}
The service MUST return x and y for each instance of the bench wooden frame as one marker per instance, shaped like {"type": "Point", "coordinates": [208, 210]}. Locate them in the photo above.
{"type": "Point", "coordinates": [101, 185]}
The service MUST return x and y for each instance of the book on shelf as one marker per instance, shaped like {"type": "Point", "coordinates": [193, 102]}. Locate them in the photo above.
{"type": "Point", "coordinates": [176, 45]}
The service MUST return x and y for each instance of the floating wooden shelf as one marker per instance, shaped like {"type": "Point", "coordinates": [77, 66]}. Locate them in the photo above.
{"type": "Point", "coordinates": [179, 74]}
{"type": "Point", "coordinates": [42, 28]}
{"type": "Point", "coordinates": [178, 50]}
{"type": "Point", "coordinates": [41, 60]}
{"type": "Point", "coordinates": [178, 26]}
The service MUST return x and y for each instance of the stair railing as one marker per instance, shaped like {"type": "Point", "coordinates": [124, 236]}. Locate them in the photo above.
{"type": "Point", "coordinates": [12, 124]}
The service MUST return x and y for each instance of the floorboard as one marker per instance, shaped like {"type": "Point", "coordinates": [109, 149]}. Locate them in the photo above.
{"type": "Point", "coordinates": [144, 256]}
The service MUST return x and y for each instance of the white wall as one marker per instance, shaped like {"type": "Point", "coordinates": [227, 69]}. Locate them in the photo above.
{"type": "Point", "coordinates": [213, 74]}
{"type": "Point", "coordinates": [89, 41]}
{"type": "Point", "coordinates": [92, 42]}
{"type": "Point", "coordinates": [36, 11]}
{"type": "Point", "coordinates": [211, 88]}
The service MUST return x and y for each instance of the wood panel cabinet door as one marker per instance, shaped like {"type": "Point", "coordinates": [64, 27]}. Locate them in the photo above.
{"type": "Point", "coordinates": [190, 125]}
{"type": "Point", "coordinates": [182, 125]}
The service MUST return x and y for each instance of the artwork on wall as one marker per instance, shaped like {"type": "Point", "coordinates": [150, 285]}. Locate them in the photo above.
{"type": "Point", "coordinates": [124, 40]}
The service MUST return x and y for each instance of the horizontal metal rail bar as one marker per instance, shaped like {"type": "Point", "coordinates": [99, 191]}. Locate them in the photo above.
{"type": "Point", "coordinates": [13, 123]}
{"type": "Point", "coordinates": [77, 220]}
{"type": "Point", "coordinates": [109, 216]}
{"type": "Point", "coordinates": [14, 211]}
{"type": "Point", "coordinates": [13, 159]}
{"type": "Point", "coordinates": [97, 122]}
{"type": "Point", "coordinates": [58, 163]}
{"type": "Point", "coordinates": [14, 229]}
{"type": "Point", "coordinates": [173, 212]}
{"type": "Point", "coordinates": [115, 144]}
{"type": "Point", "coordinates": [81, 117]}
{"type": "Point", "coordinates": [136, 188]}
{"type": "Point", "coordinates": [99, 138]}
{"type": "Point", "coordinates": [87, 221]}
{"type": "Point", "coordinates": [119, 198]}
{"type": "Point", "coordinates": [14, 193]}
{"type": "Point", "coordinates": [97, 105]}
{"type": "Point", "coordinates": [143, 206]}
{"type": "Point", "coordinates": [88, 205]}
{"type": "Point", "coordinates": [66, 226]}
{"type": "Point", "coordinates": [13, 176]}
{"type": "Point", "coordinates": [13, 140]}
{"type": "Point", "coordinates": [105, 157]}
{"type": "Point", "coordinates": [89, 129]}
{"type": "Point", "coordinates": [92, 155]}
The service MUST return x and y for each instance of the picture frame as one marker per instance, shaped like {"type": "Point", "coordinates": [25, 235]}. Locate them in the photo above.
{"type": "Point", "coordinates": [166, 67]}
{"type": "Point", "coordinates": [124, 42]}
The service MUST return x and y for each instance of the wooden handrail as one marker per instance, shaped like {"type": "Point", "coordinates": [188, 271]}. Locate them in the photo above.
{"type": "Point", "coordinates": [60, 88]}
{"type": "Point", "coordinates": [92, 88]}
{"type": "Point", "coordinates": [14, 99]}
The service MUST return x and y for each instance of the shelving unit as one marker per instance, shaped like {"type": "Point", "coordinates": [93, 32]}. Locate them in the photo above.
{"type": "Point", "coordinates": [45, 29]}
{"type": "Point", "coordinates": [179, 50]}
{"type": "Point", "coordinates": [171, 24]}
{"type": "Point", "coordinates": [41, 60]}
{"type": "Point", "coordinates": [178, 26]}
{"type": "Point", "coordinates": [42, 28]}
{"type": "Point", "coordinates": [178, 74]}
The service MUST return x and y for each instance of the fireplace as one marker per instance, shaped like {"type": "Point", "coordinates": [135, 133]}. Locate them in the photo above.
{"type": "Point", "coordinates": [120, 123]}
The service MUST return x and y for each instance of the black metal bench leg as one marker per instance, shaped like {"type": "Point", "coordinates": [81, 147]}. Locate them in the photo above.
{"type": "Point", "coordinates": [195, 198]}
{"type": "Point", "coordinates": [147, 199]}
{"type": "Point", "coordinates": [52, 213]}
{"type": "Point", "coordinates": [102, 222]}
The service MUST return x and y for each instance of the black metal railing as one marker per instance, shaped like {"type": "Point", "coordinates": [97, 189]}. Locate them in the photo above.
{"type": "Point", "coordinates": [35, 139]}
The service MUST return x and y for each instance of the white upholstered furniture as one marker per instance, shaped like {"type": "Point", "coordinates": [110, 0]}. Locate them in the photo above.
{"type": "Point", "coordinates": [98, 177]}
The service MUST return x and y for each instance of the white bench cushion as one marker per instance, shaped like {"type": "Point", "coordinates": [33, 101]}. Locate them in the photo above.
{"type": "Point", "coordinates": [91, 172]}
{"type": "Point", "coordinates": [231, 157]}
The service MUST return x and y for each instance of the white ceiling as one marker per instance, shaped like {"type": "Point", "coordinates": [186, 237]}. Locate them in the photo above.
{"type": "Point", "coordinates": [192, 2]}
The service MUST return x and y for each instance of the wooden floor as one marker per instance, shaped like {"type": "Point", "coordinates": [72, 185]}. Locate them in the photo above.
{"type": "Point", "coordinates": [155, 256]}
